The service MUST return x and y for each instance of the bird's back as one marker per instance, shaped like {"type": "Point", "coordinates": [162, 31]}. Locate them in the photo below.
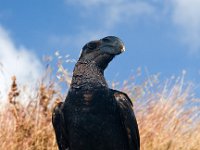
{"type": "Point", "coordinates": [93, 122]}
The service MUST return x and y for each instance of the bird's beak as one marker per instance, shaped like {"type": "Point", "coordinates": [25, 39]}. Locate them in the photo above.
{"type": "Point", "coordinates": [112, 45]}
{"type": "Point", "coordinates": [122, 48]}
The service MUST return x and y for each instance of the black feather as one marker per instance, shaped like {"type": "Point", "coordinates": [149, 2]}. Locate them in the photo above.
{"type": "Point", "coordinates": [94, 117]}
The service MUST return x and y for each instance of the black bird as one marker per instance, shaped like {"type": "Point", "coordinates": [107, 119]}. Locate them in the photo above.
{"type": "Point", "coordinates": [94, 117]}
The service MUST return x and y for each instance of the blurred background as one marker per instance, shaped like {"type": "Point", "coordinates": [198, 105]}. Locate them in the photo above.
{"type": "Point", "coordinates": [161, 36]}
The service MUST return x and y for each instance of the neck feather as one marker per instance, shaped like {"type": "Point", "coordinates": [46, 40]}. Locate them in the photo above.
{"type": "Point", "coordinates": [87, 75]}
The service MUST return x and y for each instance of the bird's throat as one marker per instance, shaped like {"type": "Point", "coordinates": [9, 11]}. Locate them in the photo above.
{"type": "Point", "coordinates": [88, 76]}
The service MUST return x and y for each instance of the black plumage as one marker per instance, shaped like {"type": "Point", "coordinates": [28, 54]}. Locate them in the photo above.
{"type": "Point", "coordinates": [94, 117]}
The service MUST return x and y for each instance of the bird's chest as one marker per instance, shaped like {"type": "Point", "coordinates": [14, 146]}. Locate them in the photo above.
{"type": "Point", "coordinates": [88, 110]}
{"type": "Point", "coordinates": [93, 119]}
{"type": "Point", "coordinates": [91, 104]}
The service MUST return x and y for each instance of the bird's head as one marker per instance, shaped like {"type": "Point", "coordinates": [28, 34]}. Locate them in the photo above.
{"type": "Point", "coordinates": [102, 51]}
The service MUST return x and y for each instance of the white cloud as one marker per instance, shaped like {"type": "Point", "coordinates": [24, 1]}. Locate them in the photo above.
{"type": "Point", "coordinates": [105, 15]}
{"type": "Point", "coordinates": [20, 62]}
{"type": "Point", "coordinates": [186, 16]}
{"type": "Point", "coordinates": [127, 12]}
{"type": "Point", "coordinates": [111, 13]}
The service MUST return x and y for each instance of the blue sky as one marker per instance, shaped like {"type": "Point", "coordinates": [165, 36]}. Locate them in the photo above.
{"type": "Point", "coordinates": [162, 36]}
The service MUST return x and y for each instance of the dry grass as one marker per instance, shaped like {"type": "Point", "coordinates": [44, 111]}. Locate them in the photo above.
{"type": "Point", "coordinates": [28, 127]}
{"type": "Point", "coordinates": [168, 116]}
{"type": "Point", "coordinates": [169, 121]}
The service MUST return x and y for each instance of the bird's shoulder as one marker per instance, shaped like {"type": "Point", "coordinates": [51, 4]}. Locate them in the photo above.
{"type": "Point", "coordinates": [121, 97]}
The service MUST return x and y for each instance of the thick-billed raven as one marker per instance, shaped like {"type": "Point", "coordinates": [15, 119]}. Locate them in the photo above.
{"type": "Point", "coordinates": [94, 117]}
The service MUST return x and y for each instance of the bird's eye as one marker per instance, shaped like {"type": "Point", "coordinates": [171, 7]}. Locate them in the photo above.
{"type": "Point", "coordinates": [106, 40]}
{"type": "Point", "coordinates": [92, 45]}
